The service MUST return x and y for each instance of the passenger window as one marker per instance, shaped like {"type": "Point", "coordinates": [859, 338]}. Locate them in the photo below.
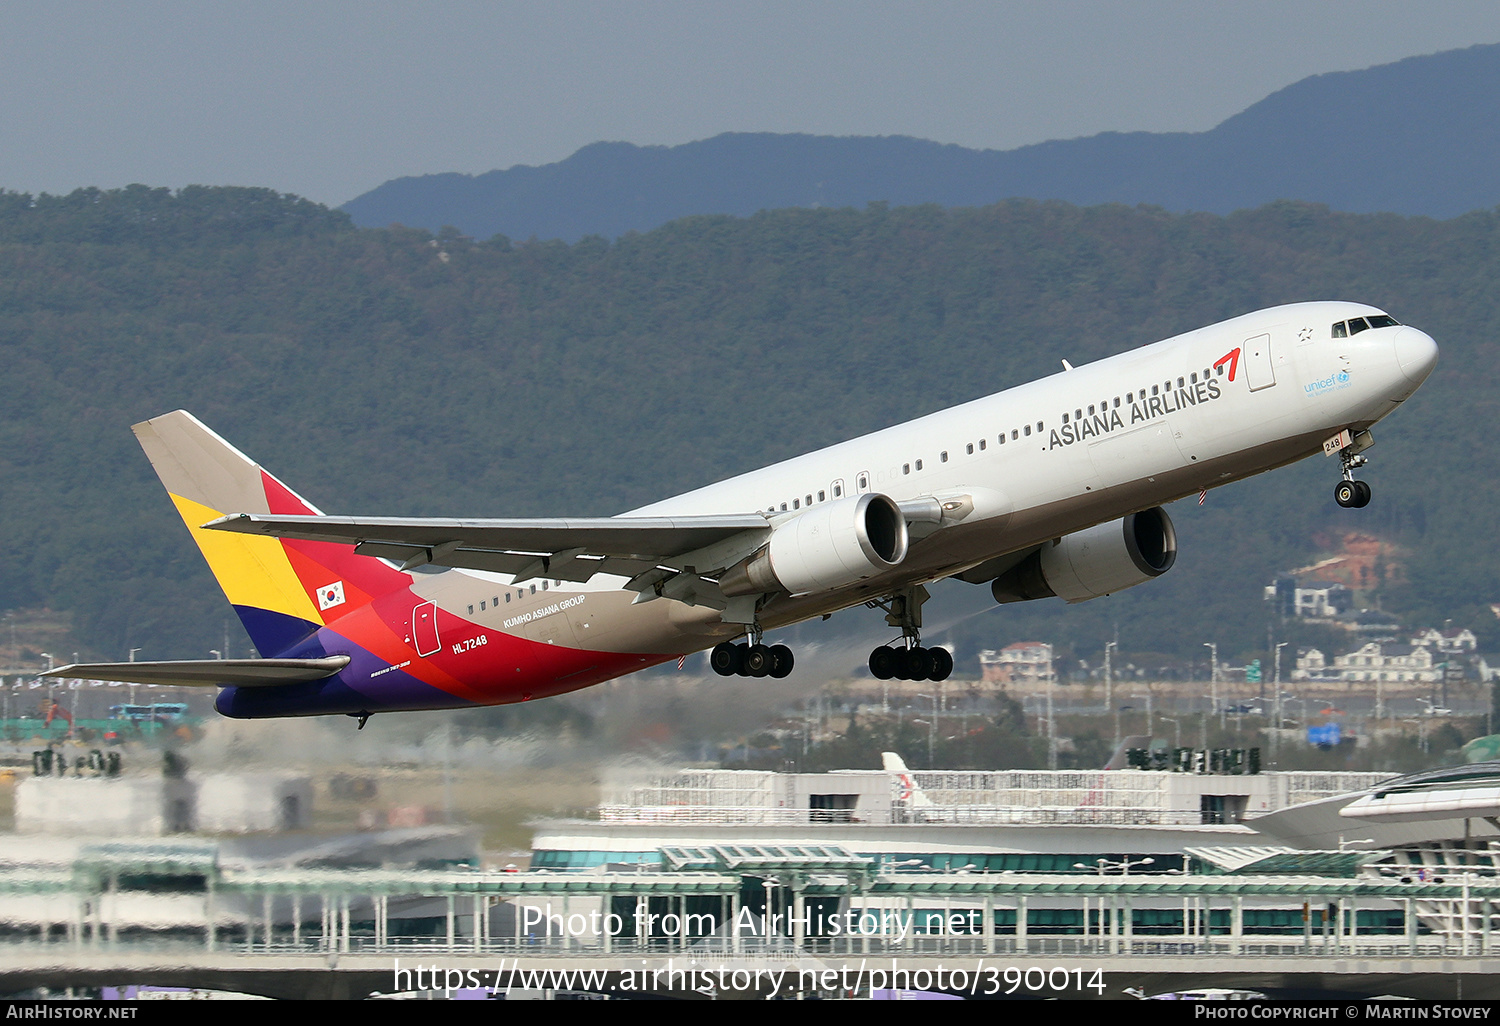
{"type": "Point", "coordinates": [471, 610]}
{"type": "Point", "coordinates": [919, 464]}
{"type": "Point", "coordinates": [822, 496]}
{"type": "Point", "coordinates": [1002, 439]}
{"type": "Point", "coordinates": [1154, 390]}
{"type": "Point", "coordinates": [969, 449]}
{"type": "Point", "coordinates": [544, 585]}
{"type": "Point", "coordinates": [1194, 378]}
{"type": "Point", "coordinates": [495, 601]}
{"type": "Point", "coordinates": [981, 445]}
{"type": "Point", "coordinates": [1065, 418]}
{"type": "Point", "coordinates": [1028, 430]}
{"type": "Point", "coordinates": [1117, 402]}
{"type": "Point", "coordinates": [1091, 410]}
{"type": "Point", "coordinates": [943, 456]}
{"type": "Point", "coordinates": [1180, 383]}
{"type": "Point", "coordinates": [906, 468]}
{"type": "Point", "coordinates": [783, 507]}
{"type": "Point", "coordinates": [1078, 414]}
{"type": "Point", "coordinates": [533, 589]}
{"type": "Point", "coordinates": [507, 598]}
{"type": "Point", "coordinates": [796, 504]}
{"type": "Point", "coordinates": [1219, 370]}
{"type": "Point", "coordinates": [1039, 428]}
{"type": "Point", "coordinates": [1014, 434]}
{"type": "Point", "coordinates": [481, 607]}
{"type": "Point", "coordinates": [809, 500]}
{"type": "Point", "coordinates": [864, 482]}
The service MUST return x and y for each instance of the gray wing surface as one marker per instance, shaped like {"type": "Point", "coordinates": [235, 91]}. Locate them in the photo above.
{"type": "Point", "coordinates": [565, 549]}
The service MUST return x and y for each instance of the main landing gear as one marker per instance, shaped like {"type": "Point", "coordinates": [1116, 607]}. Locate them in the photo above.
{"type": "Point", "coordinates": [1349, 493]}
{"type": "Point", "coordinates": [747, 659]}
{"type": "Point", "coordinates": [911, 662]}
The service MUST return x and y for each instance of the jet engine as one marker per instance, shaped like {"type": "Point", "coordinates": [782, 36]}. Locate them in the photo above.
{"type": "Point", "coordinates": [831, 546]}
{"type": "Point", "coordinates": [1100, 561]}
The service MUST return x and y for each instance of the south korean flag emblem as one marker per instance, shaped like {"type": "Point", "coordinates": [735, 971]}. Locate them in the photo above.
{"type": "Point", "coordinates": [331, 595]}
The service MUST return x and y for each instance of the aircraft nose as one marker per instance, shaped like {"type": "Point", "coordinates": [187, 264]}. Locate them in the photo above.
{"type": "Point", "coordinates": [1417, 354]}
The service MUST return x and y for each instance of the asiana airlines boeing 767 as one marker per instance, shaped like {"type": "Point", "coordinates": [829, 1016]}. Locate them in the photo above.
{"type": "Point", "coordinates": [1052, 488]}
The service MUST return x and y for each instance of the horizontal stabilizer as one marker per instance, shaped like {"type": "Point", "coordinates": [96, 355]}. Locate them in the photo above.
{"type": "Point", "coordinates": [208, 673]}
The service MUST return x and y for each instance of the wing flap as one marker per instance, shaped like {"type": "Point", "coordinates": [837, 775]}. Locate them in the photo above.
{"type": "Point", "coordinates": [208, 673]}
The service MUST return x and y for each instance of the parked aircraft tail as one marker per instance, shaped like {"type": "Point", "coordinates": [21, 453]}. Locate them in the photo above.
{"type": "Point", "coordinates": [283, 590]}
{"type": "Point", "coordinates": [911, 793]}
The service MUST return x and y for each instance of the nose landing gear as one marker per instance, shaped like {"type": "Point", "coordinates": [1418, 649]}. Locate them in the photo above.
{"type": "Point", "coordinates": [1352, 494]}
{"type": "Point", "coordinates": [1349, 493]}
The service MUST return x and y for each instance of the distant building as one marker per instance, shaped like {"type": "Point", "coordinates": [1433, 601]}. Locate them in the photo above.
{"type": "Point", "coordinates": [1025, 661]}
{"type": "Point", "coordinates": [1373, 661]}
{"type": "Point", "coordinates": [1377, 661]}
{"type": "Point", "coordinates": [1321, 600]}
{"type": "Point", "coordinates": [1454, 640]}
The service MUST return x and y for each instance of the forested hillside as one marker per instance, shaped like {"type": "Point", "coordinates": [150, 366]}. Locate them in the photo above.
{"type": "Point", "coordinates": [394, 372]}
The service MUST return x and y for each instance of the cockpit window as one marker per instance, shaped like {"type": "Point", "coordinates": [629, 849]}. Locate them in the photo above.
{"type": "Point", "coordinates": [1353, 326]}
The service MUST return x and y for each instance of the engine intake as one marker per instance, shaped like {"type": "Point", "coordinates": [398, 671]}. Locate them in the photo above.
{"type": "Point", "coordinates": [1099, 561]}
{"type": "Point", "coordinates": [830, 546]}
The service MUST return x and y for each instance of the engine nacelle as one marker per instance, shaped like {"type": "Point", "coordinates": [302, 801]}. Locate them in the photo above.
{"type": "Point", "coordinates": [1100, 561]}
{"type": "Point", "coordinates": [830, 546]}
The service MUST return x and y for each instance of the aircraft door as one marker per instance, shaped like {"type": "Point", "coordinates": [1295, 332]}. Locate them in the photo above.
{"type": "Point", "coordinates": [1259, 372]}
{"type": "Point", "coordinates": [424, 631]}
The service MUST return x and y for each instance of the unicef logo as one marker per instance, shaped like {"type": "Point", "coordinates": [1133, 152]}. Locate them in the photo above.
{"type": "Point", "coordinates": [1343, 377]}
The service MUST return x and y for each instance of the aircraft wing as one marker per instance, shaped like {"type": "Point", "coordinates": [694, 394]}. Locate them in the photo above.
{"type": "Point", "coordinates": [208, 673]}
{"type": "Point", "coordinates": [565, 549]}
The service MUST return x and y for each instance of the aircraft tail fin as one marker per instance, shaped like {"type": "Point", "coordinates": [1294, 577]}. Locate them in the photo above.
{"type": "Point", "coordinates": [910, 792]}
{"type": "Point", "coordinates": [282, 590]}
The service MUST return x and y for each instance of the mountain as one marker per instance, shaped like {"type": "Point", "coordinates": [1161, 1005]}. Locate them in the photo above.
{"type": "Point", "coordinates": [1417, 137]}
{"type": "Point", "coordinates": [397, 373]}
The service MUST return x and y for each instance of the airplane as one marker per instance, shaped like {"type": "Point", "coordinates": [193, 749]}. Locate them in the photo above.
{"type": "Point", "coordinates": [1052, 488]}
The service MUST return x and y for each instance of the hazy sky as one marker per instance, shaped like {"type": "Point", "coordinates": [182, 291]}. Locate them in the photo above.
{"type": "Point", "coordinates": [330, 99]}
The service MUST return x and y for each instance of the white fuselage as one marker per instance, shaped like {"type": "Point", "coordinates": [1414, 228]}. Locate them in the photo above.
{"type": "Point", "coordinates": [1097, 442]}
{"type": "Point", "coordinates": [1085, 446]}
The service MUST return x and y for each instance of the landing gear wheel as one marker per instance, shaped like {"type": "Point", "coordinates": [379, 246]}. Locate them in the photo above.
{"type": "Point", "coordinates": [758, 661]}
{"type": "Point", "coordinates": [919, 663]}
{"type": "Point", "coordinates": [901, 663]}
{"type": "Point", "coordinates": [781, 661]}
{"type": "Point", "coordinates": [882, 663]}
{"type": "Point", "coordinates": [1363, 498]}
{"type": "Point", "coordinates": [1346, 494]}
{"type": "Point", "coordinates": [942, 663]}
{"type": "Point", "coordinates": [726, 659]}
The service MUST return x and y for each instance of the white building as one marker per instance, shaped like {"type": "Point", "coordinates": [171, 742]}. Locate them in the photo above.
{"type": "Point", "coordinates": [1373, 661]}
{"type": "Point", "coordinates": [1023, 661]}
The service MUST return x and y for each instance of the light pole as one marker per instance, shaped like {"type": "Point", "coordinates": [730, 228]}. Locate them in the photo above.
{"type": "Point", "coordinates": [1103, 866]}
{"type": "Point", "coordinates": [1213, 678]}
{"type": "Point", "coordinates": [1150, 720]}
{"type": "Point", "coordinates": [1176, 731]}
{"type": "Point", "coordinates": [1109, 686]}
{"type": "Point", "coordinates": [1276, 711]}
